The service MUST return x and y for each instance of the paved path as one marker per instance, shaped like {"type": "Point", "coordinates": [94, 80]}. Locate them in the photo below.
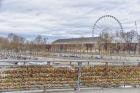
{"type": "Point", "coordinates": [126, 90]}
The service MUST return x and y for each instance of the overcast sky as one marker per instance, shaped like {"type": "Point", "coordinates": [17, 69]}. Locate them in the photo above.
{"type": "Point", "coordinates": [63, 18]}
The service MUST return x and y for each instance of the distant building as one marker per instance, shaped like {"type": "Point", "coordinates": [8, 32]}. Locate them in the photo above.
{"type": "Point", "coordinates": [83, 40]}
{"type": "Point", "coordinates": [95, 45]}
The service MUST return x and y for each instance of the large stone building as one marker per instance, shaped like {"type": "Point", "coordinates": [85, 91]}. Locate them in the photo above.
{"type": "Point", "coordinates": [83, 40]}
{"type": "Point", "coordinates": [77, 44]}
{"type": "Point", "coordinates": [92, 45]}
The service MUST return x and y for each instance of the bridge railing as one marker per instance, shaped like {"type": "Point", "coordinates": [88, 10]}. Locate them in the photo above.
{"type": "Point", "coordinates": [67, 74]}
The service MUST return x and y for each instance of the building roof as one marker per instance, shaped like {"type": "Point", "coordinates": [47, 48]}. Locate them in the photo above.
{"type": "Point", "coordinates": [77, 40]}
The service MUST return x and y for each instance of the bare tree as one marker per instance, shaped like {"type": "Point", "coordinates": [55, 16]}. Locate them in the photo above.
{"type": "Point", "coordinates": [107, 39]}
{"type": "Point", "coordinates": [4, 43]}
{"type": "Point", "coordinates": [40, 40]}
{"type": "Point", "coordinates": [16, 38]}
{"type": "Point", "coordinates": [131, 36]}
{"type": "Point", "coordinates": [16, 41]}
{"type": "Point", "coordinates": [138, 38]}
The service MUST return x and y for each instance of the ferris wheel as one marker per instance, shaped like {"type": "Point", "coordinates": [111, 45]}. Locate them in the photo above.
{"type": "Point", "coordinates": [107, 24]}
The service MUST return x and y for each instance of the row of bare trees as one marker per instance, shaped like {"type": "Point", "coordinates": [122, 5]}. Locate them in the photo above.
{"type": "Point", "coordinates": [18, 43]}
{"type": "Point", "coordinates": [124, 42]}
{"type": "Point", "coordinates": [120, 42]}
{"type": "Point", "coordinates": [121, 37]}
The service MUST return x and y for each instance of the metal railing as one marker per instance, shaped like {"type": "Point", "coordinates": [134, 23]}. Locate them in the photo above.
{"type": "Point", "coordinates": [67, 74]}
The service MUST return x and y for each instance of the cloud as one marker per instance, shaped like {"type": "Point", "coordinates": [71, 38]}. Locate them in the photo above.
{"type": "Point", "coordinates": [64, 18]}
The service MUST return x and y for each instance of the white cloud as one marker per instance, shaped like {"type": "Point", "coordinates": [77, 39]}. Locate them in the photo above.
{"type": "Point", "coordinates": [64, 18]}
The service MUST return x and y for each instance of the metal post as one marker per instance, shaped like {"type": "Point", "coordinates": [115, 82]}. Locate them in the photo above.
{"type": "Point", "coordinates": [44, 90]}
{"type": "Point", "coordinates": [88, 63]}
{"type": "Point", "coordinates": [24, 63]}
{"type": "Point", "coordinates": [70, 62]}
{"type": "Point", "coordinates": [124, 73]}
{"type": "Point", "coordinates": [79, 76]}
{"type": "Point", "coordinates": [48, 63]}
